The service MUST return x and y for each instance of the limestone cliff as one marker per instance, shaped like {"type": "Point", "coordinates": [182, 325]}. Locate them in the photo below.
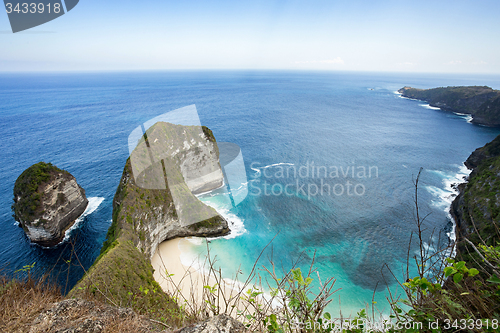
{"type": "Point", "coordinates": [155, 202]}
{"type": "Point", "coordinates": [156, 193]}
{"type": "Point", "coordinates": [483, 103]}
{"type": "Point", "coordinates": [476, 209]}
{"type": "Point", "coordinates": [47, 201]}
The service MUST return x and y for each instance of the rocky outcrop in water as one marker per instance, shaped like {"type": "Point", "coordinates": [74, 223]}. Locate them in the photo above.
{"type": "Point", "coordinates": [47, 201]}
{"type": "Point", "coordinates": [483, 103]}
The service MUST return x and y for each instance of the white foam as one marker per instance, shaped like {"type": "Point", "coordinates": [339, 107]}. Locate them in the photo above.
{"type": "Point", "coordinates": [427, 249]}
{"type": "Point", "coordinates": [189, 258]}
{"type": "Point", "coordinates": [447, 194]}
{"type": "Point", "coordinates": [195, 240]}
{"type": "Point", "coordinates": [465, 116]}
{"type": "Point", "coordinates": [235, 223]}
{"type": "Point", "coordinates": [221, 202]}
{"type": "Point", "coordinates": [427, 106]}
{"type": "Point", "coordinates": [93, 204]}
{"type": "Point", "coordinates": [411, 99]}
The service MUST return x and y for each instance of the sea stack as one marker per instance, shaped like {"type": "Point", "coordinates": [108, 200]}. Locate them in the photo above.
{"type": "Point", "coordinates": [47, 202]}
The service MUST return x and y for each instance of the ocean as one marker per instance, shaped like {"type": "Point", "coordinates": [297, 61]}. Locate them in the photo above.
{"type": "Point", "coordinates": [330, 159]}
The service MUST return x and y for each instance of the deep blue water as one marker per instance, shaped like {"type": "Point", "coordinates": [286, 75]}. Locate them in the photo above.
{"type": "Point", "coordinates": [81, 122]}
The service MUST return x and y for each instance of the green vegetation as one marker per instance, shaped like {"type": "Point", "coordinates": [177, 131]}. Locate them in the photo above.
{"type": "Point", "coordinates": [27, 197]}
{"type": "Point", "coordinates": [482, 102]}
{"type": "Point", "coordinates": [123, 277]}
{"type": "Point", "coordinates": [482, 202]}
{"type": "Point", "coordinates": [443, 296]}
{"type": "Point", "coordinates": [23, 298]}
{"type": "Point", "coordinates": [208, 133]}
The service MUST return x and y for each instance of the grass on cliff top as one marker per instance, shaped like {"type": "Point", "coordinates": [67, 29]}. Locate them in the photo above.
{"type": "Point", "coordinates": [22, 300]}
{"type": "Point", "coordinates": [456, 92]}
{"type": "Point", "coordinates": [124, 277]}
{"type": "Point", "coordinates": [26, 189]}
{"type": "Point", "coordinates": [482, 199]}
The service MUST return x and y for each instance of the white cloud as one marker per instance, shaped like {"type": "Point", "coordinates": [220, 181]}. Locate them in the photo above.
{"type": "Point", "coordinates": [407, 64]}
{"type": "Point", "coordinates": [454, 62]}
{"type": "Point", "coordinates": [335, 61]}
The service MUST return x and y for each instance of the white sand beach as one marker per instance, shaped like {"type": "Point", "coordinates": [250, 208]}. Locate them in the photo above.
{"type": "Point", "coordinates": [187, 283]}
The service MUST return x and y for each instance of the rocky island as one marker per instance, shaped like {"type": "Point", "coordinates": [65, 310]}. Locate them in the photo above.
{"type": "Point", "coordinates": [481, 102]}
{"type": "Point", "coordinates": [47, 201]}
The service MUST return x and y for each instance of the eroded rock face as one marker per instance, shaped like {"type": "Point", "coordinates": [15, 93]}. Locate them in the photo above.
{"type": "Point", "coordinates": [82, 316]}
{"type": "Point", "coordinates": [47, 201]}
{"type": "Point", "coordinates": [478, 203]}
{"type": "Point", "coordinates": [155, 199]}
{"type": "Point", "coordinates": [218, 324]}
{"type": "Point", "coordinates": [153, 216]}
{"type": "Point", "coordinates": [77, 315]}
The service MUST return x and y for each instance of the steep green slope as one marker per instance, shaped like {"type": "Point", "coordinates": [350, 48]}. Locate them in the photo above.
{"type": "Point", "coordinates": [477, 207]}
{"type": "Point", "coordinates": [143, 217]}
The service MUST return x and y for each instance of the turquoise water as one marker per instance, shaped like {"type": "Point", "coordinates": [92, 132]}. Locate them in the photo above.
{"type": "Point", "coordinates": [283, 121]}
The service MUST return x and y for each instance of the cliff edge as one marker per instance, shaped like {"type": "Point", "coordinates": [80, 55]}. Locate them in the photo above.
{"type": "Point", "coordinates": [154, 202]}
{"type": "Point", "coordinates": [476, 209]}
{"type": "Point", "coordinates": [47, 201]}
{"type": "Point", "coordinates": [481, 102]}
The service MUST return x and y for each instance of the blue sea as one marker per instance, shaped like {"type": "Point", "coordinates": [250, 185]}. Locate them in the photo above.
{"type": "Point", "coordinates": [330, 159]}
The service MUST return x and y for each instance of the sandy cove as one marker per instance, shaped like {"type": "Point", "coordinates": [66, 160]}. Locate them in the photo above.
{"type": "Point", "coordinates": [185, 283]}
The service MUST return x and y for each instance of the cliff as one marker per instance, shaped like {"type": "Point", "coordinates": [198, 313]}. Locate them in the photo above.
{"type": "Point", "coordinates": [476, 209]}
{"type": "Point", "coordinates": [483, 103]}
{"type": "Point", "coordinates": [155, 202]}
{"type": "Point", "coordinates": [47, 201]}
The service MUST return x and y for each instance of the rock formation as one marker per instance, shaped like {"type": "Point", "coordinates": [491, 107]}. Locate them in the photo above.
{"type": "Point", "coordinates": [78, 315]}
{"type": "Point", "coordinates": [218, 324]}
{"type": "Point", "coordinates": [476, 209]}
{"type": "Point", "coordinates": [155, 202]}
{"type": "Point", "coordinates": [483, 103]}
{"type": "Point", "coordinates": [47, 201]}
{"type": "Point", "coordinates": [156, 193]}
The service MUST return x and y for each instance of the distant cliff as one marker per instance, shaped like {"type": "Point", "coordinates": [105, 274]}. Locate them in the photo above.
{"type": "Point", "coordinates": [47, 201]}
{"type": "Point", "coordinates": [155, 202]}
{"type": "Point", "coordinates": [476, 209]}
{"type": "Point", "coordinates": [483, 103]}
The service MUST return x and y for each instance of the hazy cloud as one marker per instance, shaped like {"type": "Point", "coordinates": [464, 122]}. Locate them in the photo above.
{"type": "Point", "coordinates": [335, 61]}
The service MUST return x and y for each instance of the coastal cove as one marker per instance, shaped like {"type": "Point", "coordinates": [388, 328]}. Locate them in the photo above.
{"type": "Point", "coordinates": [341, 120]}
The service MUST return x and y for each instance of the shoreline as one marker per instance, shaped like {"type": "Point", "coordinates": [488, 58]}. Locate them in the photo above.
{"type": "Point", "coordinates": [189, 285]}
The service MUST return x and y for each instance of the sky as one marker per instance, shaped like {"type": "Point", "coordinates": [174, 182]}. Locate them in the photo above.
{"type": "Point", "coordinates": [439, 36]}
